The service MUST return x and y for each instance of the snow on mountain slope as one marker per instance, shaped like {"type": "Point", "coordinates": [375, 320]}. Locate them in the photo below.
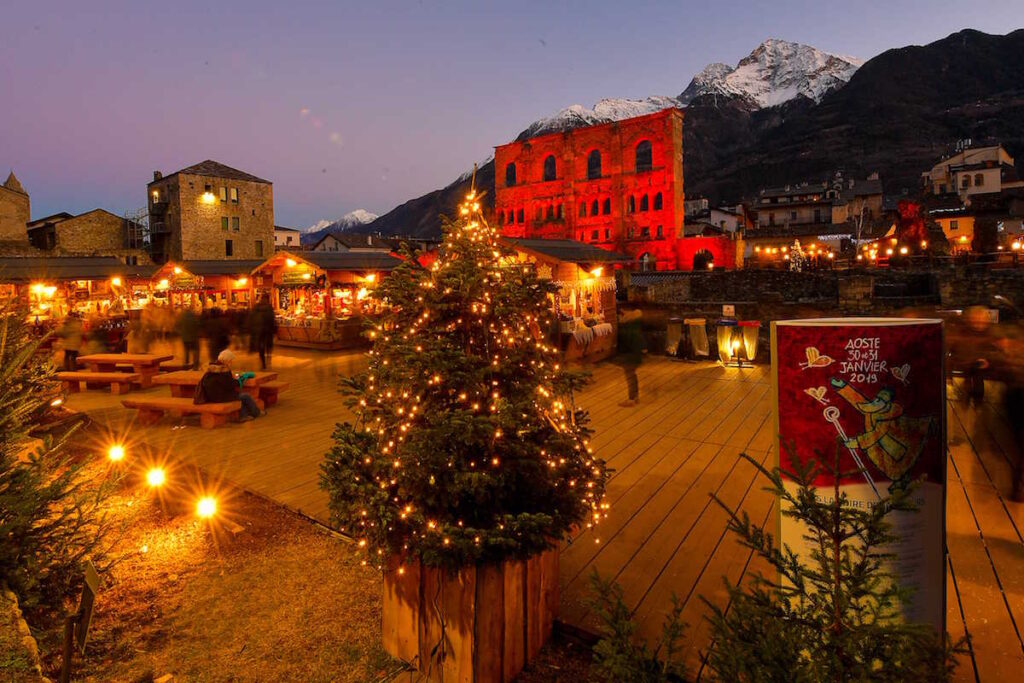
{"type": "Point", "coordinates": [353, 219]}
{"type": "Point", "coordinates": [605, 111]}
{"type": "Point", "coordinates": [774, 73]}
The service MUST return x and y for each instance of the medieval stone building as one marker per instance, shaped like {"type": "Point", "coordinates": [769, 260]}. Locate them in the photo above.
{"type": "Point", "coordinates": [210, 211]}
{"type": "Point", "coordinates": [618, 186]}
{"type": "Point", "coordinates": [14, 211]}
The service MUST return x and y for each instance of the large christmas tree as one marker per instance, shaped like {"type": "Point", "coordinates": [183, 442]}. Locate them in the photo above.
{"type": "Point", "coordinates": [467, 446]}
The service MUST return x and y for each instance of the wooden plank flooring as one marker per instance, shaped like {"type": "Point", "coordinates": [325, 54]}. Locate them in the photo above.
{"type": "Point", "coordinates": [664, 535]}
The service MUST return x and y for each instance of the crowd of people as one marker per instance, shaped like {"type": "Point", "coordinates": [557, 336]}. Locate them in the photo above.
{"type": "Point", "coordinates": [213, 327]}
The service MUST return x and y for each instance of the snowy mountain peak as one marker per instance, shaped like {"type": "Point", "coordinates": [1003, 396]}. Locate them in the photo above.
{"type": "Point", "coordinates": [350, 220]}
{"type": "Point", "coordinates": [775, 72]}
{"type": "Point", "coordinates": [605, 111]}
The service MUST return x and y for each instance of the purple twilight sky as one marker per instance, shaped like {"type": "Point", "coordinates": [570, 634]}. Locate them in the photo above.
{"type": "Point", "coordinates": [347, 105]}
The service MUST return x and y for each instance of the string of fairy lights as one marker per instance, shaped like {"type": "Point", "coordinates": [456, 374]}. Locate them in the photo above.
{"type": "Point", "coordinates": [405, 395]}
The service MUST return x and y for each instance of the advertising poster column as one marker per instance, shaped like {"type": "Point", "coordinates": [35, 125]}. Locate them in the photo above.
{"type": "Point", "coordinates": [876, 389]}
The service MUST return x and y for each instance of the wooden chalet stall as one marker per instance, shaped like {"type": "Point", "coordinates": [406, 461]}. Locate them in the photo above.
{"type": "Point", "coordinates": [204, 284]}
{"type": "Point", "coordinates": [319, 298]}
{"type": "Point", "coordinates": [98, 289]}
{"type": "Point", "coordinates": [585, 302]}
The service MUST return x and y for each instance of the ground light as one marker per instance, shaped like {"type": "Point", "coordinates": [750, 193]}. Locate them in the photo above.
{"type": "Point", "coordinates": [116, 453]}
{"type": "Point", "coordinates": [156, 477]}
{"type": "Point", "coordinates": [206, 507]}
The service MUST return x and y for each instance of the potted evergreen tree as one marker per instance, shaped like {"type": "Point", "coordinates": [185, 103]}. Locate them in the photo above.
{"type": "Point", "coordinates": [467, 461]}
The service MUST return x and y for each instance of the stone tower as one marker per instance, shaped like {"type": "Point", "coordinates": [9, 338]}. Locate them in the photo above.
{"type": "Point", "coordinates": [14, 211]}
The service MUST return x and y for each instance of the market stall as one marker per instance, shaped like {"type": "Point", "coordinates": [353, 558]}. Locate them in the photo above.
{"type": "Point", "coordinates": [319, 298]}
{"type": "Point", "coordinates": [99, 290]}
{"type": "Point", "coordinates": [204, 284]}
{"type": "Point", "coordinates": [585, 301]}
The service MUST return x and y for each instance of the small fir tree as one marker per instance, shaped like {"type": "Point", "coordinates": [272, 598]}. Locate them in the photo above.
{"type": "Point", "coordinates": [833, 615]}
{"type": "Point", "coordinates": [467, 446]}
{"type": "Point", "coordinates": [51, 510]}
{"type": "Point", "coordinates": [618, 656]}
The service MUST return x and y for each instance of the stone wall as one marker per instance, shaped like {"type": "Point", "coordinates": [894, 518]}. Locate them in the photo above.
{"type": "Point", "coordinates": [20, 654]}
{"type": "Point", "coordinates": [97, 231]}
{"type": "Point", "coordinates": [202, 234]}
{"type": "Point", "coordinates": [14, 214]}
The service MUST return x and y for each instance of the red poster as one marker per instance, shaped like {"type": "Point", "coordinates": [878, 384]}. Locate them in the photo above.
{"type": "Point", "coordinates": [875, 388]}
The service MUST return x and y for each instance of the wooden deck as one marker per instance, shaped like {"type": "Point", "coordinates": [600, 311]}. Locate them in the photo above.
{"type": "Point", "coordinates": [664, 534]}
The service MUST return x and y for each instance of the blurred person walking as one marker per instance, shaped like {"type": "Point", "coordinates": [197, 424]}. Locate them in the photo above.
{"type": "Point", "coordinates": [71, 333]}
{"type": "Point", "coordinates": [263, 328]}
{"type": "Point", "coordinates": [188, 330]}
{"type": "Point", "coordinates": [630, 353]}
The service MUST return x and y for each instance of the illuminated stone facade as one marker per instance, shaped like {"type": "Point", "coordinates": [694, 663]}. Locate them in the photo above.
{"type": "Point", "coordinates": [618, 186]}
{"type": "Point", "coordinates": [210, 211]}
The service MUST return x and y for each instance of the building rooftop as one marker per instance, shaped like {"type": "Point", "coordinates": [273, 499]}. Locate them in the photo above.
{"type": "Point", "coordinates": [12, 183]}
{"type": "Point", "coordinates": [351, 260]}
{"type": "Point", "coordinates": [215, 169]}
{"type": "Point", "coordinates": [569, 251]}
{"type": "Point", "coordinates": [33, 268]}
{"type": "Point", "coordinates": [281, 227]}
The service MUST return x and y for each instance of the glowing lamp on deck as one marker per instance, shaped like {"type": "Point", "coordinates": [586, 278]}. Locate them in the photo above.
{"type": "Point", "coordinates": [903, 250]}
{"type": "Point", "coordinates": [860, 257]}
{"type": "Point", "coordinates": [115, 453]}
{"type": "Point", "coordinates": [156, 477]}
{"type": "Point", "coordinates": [924, 244]}
{"type": "Point", "coordinates": [206, 507]}
{"type": "Point", "coordinates": [831, 255]}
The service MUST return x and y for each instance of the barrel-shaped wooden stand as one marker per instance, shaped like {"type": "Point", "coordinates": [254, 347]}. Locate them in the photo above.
{"type": "Point", "coordinates": [480, 624]}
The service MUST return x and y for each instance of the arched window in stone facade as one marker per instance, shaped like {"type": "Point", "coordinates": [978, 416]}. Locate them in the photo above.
{"type": "Point", "coordinates": [594, 208]}
{"type": "Point", "coordinates": [658, 202]}
{"type": "Point", "coordinates": [594, 165]}
{"type": "Point", "coordinates": [510, 175]}
{"type": "Point", "coordinates": [606, 208]}
{"type": "Point", "coordinates": [549, 167]}
{"type": "Point", "coordinates": [643, 156]}
{"type": "Point", "coordinates": [644, 204]}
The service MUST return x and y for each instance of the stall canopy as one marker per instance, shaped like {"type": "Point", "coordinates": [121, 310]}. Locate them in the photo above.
{"type": "Point", "coordinates": [352, 261]}
{"type": "Point", "coordinates": [228, 268]}
{"type": "Point", "coordinates": [568, 251]}
{"type": "Point", "coordinates": [65, 268]}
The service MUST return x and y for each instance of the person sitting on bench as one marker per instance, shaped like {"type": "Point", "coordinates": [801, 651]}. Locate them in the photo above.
{"type": "Point", "coordinates": [219, 385]}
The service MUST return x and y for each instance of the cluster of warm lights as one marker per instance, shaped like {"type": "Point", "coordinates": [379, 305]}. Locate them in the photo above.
{"type": "Point", "coordinates": [156, 478]}
{"type": "Point", "coordinates": [501, 339]}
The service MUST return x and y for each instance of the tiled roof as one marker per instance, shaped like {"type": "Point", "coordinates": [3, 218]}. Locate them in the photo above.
{"type": "Point", "coordinates": [27, 269]}
{"type": "Point", "coordinates": [221, 267]}
{"type": "Point", "coordinates": [351, 260]}
{"type": "Point", "coordinates": [570, 251]}
{"type": "Point", "coordinates": [215, 169]}
{"type": "Point", "coordinates": [281, 227]}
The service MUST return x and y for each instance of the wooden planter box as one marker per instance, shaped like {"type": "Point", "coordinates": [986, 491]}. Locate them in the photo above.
{"type": "Point", "coordinates": [480, 624]}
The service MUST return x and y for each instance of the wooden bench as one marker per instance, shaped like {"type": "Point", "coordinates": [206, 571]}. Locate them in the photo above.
{"type": "Point", "coordinates": [268, 391]}
{"type": "Point", "coordinates": [211, 415]}
{"type": "Point", "coordinates": [120, 382]}
{"type": "Point", "coordinates": [174, 366]}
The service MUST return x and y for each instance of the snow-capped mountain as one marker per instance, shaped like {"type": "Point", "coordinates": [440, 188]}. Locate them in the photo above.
{"type": "Point", "coordinates": [605, 111]}
{"type": "Point", "coordinates": [774, 73]}
{"type": "Point", "coordinates": [353, 219]}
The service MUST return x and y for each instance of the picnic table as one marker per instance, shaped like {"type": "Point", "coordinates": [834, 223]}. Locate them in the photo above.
{"type": "Point", "coordinates": [183, 382]}
{"type": "Point", "coordinates": [147, 365]}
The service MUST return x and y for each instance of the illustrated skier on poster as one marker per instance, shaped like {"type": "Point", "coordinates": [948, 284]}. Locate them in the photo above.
{"type": "Point", "coordinates": [891, 440]}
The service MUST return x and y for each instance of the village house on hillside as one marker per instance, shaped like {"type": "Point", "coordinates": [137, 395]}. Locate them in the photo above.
{"type": "Point", "coordinates": [210, 211]}
{"type": "Point", "coordinates": [358, 243]}
{"type": "Point", "coordinates": [618, 186]}
{"type": "Point", "coordinates": [975, 170]}
{"type": "Point", "coordinates": [287, 238]}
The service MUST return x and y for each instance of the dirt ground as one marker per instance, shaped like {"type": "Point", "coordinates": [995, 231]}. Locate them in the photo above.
{"type": "Point", "coordinates": [280, 600]}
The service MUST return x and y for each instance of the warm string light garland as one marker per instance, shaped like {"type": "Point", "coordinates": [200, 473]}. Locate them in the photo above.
{"type": "Point", "coordinates": [489, 338]}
